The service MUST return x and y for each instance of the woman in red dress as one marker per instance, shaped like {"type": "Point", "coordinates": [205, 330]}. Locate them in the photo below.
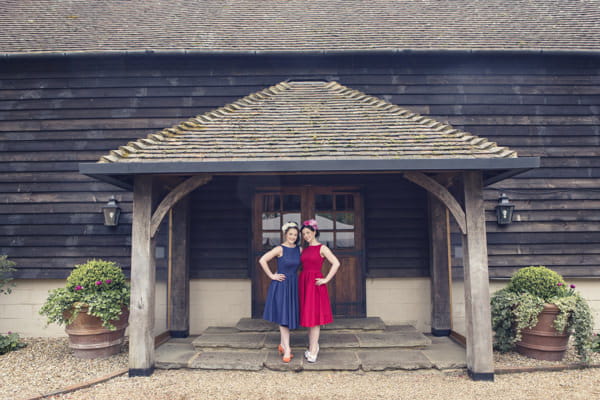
{"type": "Point", "coordinates": [315, 308]}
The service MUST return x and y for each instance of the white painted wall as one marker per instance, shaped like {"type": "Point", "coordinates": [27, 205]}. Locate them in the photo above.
{"type": "Point", "coordinates": [400, 301]}
{"type": "Point", "coordinates": [19, 311]}
{"type": "Point", "coordinates": [222, 302]}
{"type": "Point", "coordinates": [219, 302]}
{"type": "Point", "coordinates": [589, 289]}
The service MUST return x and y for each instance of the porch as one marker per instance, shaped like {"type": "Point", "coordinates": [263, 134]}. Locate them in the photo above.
{"type": "Point", "coordinates": [348, 344]}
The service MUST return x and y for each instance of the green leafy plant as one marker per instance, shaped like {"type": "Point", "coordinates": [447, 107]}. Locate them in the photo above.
{"type": "Point", "coordinates": [97, 287]}
{"type": "Point", "coordinates": [596, 343]}
{"type": "Point", "coordinates": [6, 267]}
{"type": "Point", "coordinates": [518, 305]}
{"type": "Point", "coordinates": [10, 342]}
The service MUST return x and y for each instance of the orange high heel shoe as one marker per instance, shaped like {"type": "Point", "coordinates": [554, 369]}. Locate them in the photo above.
{"type": "Point", "coordinates": [281, 350]}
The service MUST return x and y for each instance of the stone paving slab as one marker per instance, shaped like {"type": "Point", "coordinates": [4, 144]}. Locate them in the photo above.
{"type": "Point", "coordinates": [217, 330]}
{"type": "Point", "coordinates": [297, 339]}
{"type": "Point", "coordinates": [444, 353]}
{"type": "Point", "coordinates": [274, 361]}
{"type": "Point", "coordinates": [394, 339]}
{"type": "Point", "coordinates": [369, 323]}
{"type": "Point", "coordinates": [333, 360]}
{"type": "Point", "coordinates": [256, 325]}
{"type": "Point", "coordinates": [388, 359]}
{"type": "Point", "coordinates": [174, 355]}
{"type": "Point", "coordinates": [230, 360]}
{"type": "Point", "coordinates": [338, 340]}
{"type": "Point", "coordinates": [230, 340]}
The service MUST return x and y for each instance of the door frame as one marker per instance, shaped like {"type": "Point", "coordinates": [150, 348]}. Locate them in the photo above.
{"type": "Point", "coordinates": [307, 210]}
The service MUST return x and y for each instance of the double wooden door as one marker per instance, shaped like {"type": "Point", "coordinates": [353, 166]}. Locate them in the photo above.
{"type": "Point", "coordinates": [338, 211]}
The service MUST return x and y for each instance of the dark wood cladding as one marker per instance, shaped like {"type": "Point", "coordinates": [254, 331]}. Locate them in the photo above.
{"type": "Point", "coordinates": [57, 112]}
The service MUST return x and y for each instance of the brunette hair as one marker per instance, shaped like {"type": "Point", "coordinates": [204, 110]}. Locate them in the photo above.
{"type": "Point", "coordinates": [291, 225]}
{"type": "Point", "coordinates": [312, 228]}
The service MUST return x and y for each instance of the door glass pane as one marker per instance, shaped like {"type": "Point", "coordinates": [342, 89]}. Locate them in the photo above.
{"type": "Point", "coordinates": [271, 202]}
{"type": "Point", "coordinates": [344, 239]}
{"type": "Point", "coordinates": [291, 202]}
{"type": "Point", "coordinates": [326, 238]}
{"type": "Point", "coordinates": [295, 217]}
{"type": "Point", "coordinates": [270, 239]}
{"type": "Point", "coordinates": [271, 221]}
{"type": "Point", "coordinates": [344, 202]}
{"type": "Point", "coordinates": [344, 220]}
{"type": "Point", "coordinates": [325, 221]}
{"type": "Point", "coordinates": [323, 202]}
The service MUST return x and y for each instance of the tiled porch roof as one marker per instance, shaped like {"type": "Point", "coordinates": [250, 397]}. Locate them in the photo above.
{"type": "Point", "coordinates": [296, 26]}
{"type": "Point", "coordinates": [312, 120]}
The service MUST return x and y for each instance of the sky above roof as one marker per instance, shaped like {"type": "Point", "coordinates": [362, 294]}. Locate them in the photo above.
{"type": "Point", "coordinates": [282, 26]}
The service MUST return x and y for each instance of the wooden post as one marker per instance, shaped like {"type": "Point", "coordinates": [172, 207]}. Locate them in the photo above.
{"type": "Point", "coordinates": [143, 281]}
{"type": "Point", "coordinates": [179, 283]}
{"type": "Point", "coordinates": [480, 360]}
{"type": "Point", "coordinates": [439, 239]}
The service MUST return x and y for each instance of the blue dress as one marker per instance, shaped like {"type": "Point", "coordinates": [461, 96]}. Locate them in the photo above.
{"type": "Point", "coordinates": [281, 305]}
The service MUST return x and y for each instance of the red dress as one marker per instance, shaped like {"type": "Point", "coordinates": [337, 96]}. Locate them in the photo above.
{"type": "Point", "coordinates": [315, 308]}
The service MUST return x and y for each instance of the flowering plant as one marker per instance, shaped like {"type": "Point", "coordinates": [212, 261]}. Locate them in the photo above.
{"type": "Point", "coordinates": [517, 306]}
{"type": "Point", "coordinates": [97, 287]}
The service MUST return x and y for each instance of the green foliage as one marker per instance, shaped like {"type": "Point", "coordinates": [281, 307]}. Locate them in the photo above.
{"type": "Point", "coordinates": [538, 281]}
{"type": "Point", "coordinates": [6, 267]}
{"type": "Point", "coordinates": [511, 313]}
{"type": "Point", "coordinates": [517, 306]}
{"type": "Point", "coordinates": [596, 343]}
{"type": "Point", "coordinates": [10, 342]}
{"type": "Point", "coordinates": [97, 285]}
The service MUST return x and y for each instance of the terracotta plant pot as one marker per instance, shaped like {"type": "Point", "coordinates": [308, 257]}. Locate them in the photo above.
{"type": "Point", "coordinates": [543, 341]}
{"type": "Point", "coordinates": [89, 339]}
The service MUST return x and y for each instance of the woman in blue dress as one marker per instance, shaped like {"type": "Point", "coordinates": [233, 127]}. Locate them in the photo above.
{"type": "Point", "coordinates": [281, 305]}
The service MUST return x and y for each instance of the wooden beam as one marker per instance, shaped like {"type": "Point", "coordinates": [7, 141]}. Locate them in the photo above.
{"type": "Point", "coordinates": [442, 194]}
{"type": "Point", "coordinates": [441, 294]}
{"type": "Point", "coordinates": [480, 360]}
{"type": "Point", "coordinates": [179, 283]}
{"type": "Point", "coordinates": [143, 281]}
{"type": "Point", "coordinates": [173, 197]}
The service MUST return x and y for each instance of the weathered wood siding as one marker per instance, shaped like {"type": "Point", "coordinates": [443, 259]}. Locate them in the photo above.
{"type": "Point", "coordinates": [55, 113]}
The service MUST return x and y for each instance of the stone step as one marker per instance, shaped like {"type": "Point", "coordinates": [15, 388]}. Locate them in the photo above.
{"type": "Point", "coordinates": [339, 324]}
{"type": "Point", "coordinates": [232, 339]}
{"type": "Point", "coordinates": [442, 353]}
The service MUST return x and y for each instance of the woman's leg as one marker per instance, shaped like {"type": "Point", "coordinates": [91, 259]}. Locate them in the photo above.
{"type": "Point", "coordinates": [313, 339]}
{"type": "Point", "coordinates": [285, 339]}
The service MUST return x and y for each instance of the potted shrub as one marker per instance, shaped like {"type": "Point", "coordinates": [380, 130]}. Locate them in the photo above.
{"type": "Point", "coordinates": [537, 312]}
{"type": "Point", "coordinates": [94, 307]}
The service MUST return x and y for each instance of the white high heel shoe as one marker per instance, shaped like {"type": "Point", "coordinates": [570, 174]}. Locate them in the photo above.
{"type": "Point", "coordinates": [310, 357]}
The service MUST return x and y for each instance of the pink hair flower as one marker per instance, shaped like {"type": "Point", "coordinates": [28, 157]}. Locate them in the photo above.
{"type": "Point", "coordinates": [312, 223]}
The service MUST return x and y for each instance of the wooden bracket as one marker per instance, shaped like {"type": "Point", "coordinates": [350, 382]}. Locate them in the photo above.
{"type": "Point", "coordinates": [442, 194]}
{"type": "Point", "coordinates": [173, 197]}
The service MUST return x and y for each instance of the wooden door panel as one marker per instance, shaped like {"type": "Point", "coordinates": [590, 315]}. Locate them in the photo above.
{"type": "Point", "coordinates": [341, 217]}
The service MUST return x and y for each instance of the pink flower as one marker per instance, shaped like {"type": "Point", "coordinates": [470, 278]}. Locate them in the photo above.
{"type": "Point", "coordinates": [572, 286]}
{"type": "Point", "coordinates": [98, 283]}
{"type": "Point", "coordinates": [78, 287]}
{"type": "Point", "coordinates": [559, 283]}
{"type": "Point", "coordinates": [108, 281]}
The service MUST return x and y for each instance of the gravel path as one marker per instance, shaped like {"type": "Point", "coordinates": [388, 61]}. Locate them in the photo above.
{"type": "Point", "coordinates": [46, 365]}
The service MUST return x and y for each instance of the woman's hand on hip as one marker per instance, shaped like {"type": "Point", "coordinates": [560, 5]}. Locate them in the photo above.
{"type": "Point", "coordinates": [279, 277]}
{"type": "Point", "coordinates": [320, 281]}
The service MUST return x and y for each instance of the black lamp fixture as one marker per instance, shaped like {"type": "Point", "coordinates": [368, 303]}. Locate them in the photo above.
{"type": "Point", "coordinates": [111, 211]}
{"type": "Point", "coordinates": [504, 210]}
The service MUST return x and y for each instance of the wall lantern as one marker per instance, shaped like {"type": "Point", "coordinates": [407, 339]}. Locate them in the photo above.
{"type": "Point", "coordinates": [504, 210]}
{"type": "Point", "coordinates": [111, 212]}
